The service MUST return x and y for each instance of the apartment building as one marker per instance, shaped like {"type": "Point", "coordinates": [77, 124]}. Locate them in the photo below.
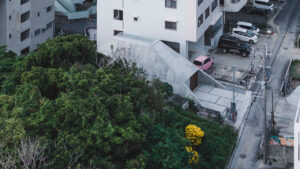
{"type": "Point", "coordinates": [187, 26]}
{"type": "Point", "coordinates": [25, 24]}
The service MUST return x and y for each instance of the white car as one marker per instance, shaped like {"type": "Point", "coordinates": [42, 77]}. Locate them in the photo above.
{"type": "Point", "coordinates": [263, 4]}
{"type": "Point", "coordinates": [244, 35]}
{"type": "Point", "coordinates": [248, 26]}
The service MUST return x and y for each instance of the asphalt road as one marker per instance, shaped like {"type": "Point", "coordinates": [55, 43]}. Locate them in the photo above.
{"type": "Point", "coordinates": [245, 154]}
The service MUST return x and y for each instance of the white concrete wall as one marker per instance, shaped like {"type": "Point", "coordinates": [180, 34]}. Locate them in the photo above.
{"type": "Point", "coordinates": [15, 27]}
{"type": "Point", "coordinates": [152, 15]}
{"type": "Point", "coordinates": [40, 22]}
{"type": "Point", "coordinates": [3, 22]}
{"type": "Point", "coordinates": [297, 138]}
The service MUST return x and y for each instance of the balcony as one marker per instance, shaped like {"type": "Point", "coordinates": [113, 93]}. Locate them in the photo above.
{"type": "Point", "coordinates": [234, 5]}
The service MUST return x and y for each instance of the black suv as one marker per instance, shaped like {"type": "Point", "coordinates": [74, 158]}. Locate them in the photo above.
{"type": "Point", "coordinates": [233, 44]}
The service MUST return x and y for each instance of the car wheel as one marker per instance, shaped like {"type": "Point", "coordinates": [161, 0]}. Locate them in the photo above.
{"type": "Point", "coordinates": [244, 54]}
{"type": "Point", "coordinates": [224, 50]}
{"type": "Point", "coordinates": [251, 41]}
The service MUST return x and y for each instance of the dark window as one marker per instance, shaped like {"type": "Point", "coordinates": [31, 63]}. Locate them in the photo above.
{"type": "Point", "coordinates": [207, 12]}
{"type": "Point", "coordinates": [221, 2]}
{"type": "Point", "coordinates": [49, 25]}
{"type": "Point", "coordinates": [38, 14]}
{"type": "Point", "coordinates": [171, 3]}
{"type": "Point", "coordinates": [197, 63]}
{"type": "Point", "coordinates": [200, 20]}
{"type": "Point", "coordinates": [9, 17]}
{"type": "Point", "coordinates": [214, 5]}
{"type": "Point", "coordinates": [25, 16]}
{"type": "Point", "coordinates": [171, 25]}
{"type": "Point", "coordinates": [118, 14]}
{"type": "Point", "coordinates": [25, 51]}
{"type": "Point", "coordinates": [24, 1]}
{"type": "Point", "coordinates": [37, 32]}
{"type": "Point", "coordinates": [200, 2]}
{"type": "Point", "coordinates": [25, 34]}
{"type": "Point", "coordinates": [9, 36]}
{"type": "Point", "coordinates": [49, 8]}
{"type": "Point", "coordinates": [206, 60]}
{"type": "Point", "coordinates": [117, 32]}
{"type": "Point", "coordinates": [44, 29]}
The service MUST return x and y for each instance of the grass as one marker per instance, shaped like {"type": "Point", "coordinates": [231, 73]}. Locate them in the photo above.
{"type": "Point", "coordinates": [295, 69]}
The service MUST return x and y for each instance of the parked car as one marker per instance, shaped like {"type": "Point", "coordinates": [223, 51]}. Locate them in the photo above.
{"type": "Point", "coordinates": [248, 26]}
{"type": "Point", "coordinates": [233, 44]}
{"type": "Point", "coordinates": [263, 4]}
{"type": "Point", "coordinates": [259, 11]}
{"type": "Point", "coordinates": [244, 35]}
{"type": "Point", "coordinates": [203, 62]}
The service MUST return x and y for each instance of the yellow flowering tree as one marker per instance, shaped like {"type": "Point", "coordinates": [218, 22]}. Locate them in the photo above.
{"type": "Point", "coordinates": [195, 157]}
{"type": "Point", "coordinates": [194, 134]}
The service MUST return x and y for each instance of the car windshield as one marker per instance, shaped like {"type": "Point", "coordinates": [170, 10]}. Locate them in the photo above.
{"type": "Point", "coordinates": [253, 27]}
{"type": "Point", "coordinates": [197, 63]}
{"type": "Point", "coordinates": [251, 34]}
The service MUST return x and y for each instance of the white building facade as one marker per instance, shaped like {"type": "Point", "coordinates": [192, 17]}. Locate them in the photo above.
{"type": "Point", "coordinates": [181, 24]}
{"type": "Point", "coordinates": [25, 24]}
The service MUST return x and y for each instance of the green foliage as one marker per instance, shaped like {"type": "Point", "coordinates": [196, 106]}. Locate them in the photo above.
{"type": "Point", "coordinates": [109, 117]}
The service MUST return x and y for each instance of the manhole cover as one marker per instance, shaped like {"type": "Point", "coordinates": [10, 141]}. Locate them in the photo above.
{"type": "Point", "coordinates": [243, 156]}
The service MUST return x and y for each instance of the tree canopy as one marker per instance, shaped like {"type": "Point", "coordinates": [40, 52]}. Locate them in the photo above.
{"type": "Point", "coordinates": [80, 115]}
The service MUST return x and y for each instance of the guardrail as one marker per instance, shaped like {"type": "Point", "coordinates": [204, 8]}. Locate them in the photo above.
{"type": "Point", "coordinates": [285, 84]}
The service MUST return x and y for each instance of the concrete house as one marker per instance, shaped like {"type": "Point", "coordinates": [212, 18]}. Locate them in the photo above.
{"type": "Point", "coordinates": [160, 61]}
{"type": "Point", "coordinates": [187, 26]}
{"type": "Point", "coordinates": [25, 24]}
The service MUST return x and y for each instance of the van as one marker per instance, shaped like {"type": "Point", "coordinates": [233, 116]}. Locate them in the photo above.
{"type": "Point", "coordinates": [233, 44]}
{"type": "Point", "coordinates": [245, 35]}
{"type": "Point", "coordinates": [248, 26]}
{"type": "Point", "coordinates": [263, 4]}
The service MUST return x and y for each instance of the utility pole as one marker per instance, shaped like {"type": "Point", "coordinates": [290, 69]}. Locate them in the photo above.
{"type": "Point", "coordinates": [272, 118]}
{"type": "Point", "coordinates": [265, 107]}
{"type": "Point", "coordinates": [233, 105]}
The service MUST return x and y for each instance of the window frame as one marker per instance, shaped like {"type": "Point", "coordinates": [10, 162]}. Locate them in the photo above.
{"type": "Point", "coordinates": [170, 4]}
{"type": "Point", "coordinates": [169, 27]}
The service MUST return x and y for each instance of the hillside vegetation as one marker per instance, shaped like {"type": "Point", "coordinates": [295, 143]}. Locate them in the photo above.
{"type": "Point", "coordinates": [58, 110]}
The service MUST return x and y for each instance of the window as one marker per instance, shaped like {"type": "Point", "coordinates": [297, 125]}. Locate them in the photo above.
{"type": "Point", "coordinates": [197, 63]}
{"type": "Point", "coordinates": [117, 32]}
{"type": "Point", "coordinates": [200, 20]}
{"type": "Point", "coordinates": [171, 3]}
{"type": "Point", "coordinates": [49, 25]}
{"type": "Point", "coordinates": [171, 25]}
{"type": "Point", "coordinates": [214, 5]}
{"type": "Point", "coordinates": [118, 15]}
{"type": "Point", "coordinates": [25, 34]}
{"type": "Point", "coordinates": [9, 17]}
{"type": "Point", "coordinates": [207, 60]}
{"type": "Point", "coordinates": [49, 8]}
{"type": "Point", "coordinates": [9, 36]}
{"type": "Point", "coordinates": [24, 1]}
{"type": "Point", "coordinates": [38, 14]}
{"type": "Point", "coordinates": [37, 32]}
{"type": "Point", "coordinates": [207, 12]}
{"type": "Point", "coordinates": [25, 51]}
{"type": "Point", "coordinates": [25, 16]}
{"type": "Point", "coordinates": [200, 2]}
